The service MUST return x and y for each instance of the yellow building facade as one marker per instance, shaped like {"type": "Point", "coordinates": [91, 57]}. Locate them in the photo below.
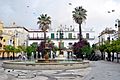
{"type": "Point", "coordinates": [12, 35]}
{"type": "Point", "coordinates": [1, 36]}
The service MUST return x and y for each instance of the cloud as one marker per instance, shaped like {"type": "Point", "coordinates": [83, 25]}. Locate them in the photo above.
{"type": "Point", "coordinates": [25, 12]}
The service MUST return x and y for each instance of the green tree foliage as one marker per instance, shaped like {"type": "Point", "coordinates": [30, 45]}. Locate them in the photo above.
{"type": "Point", "coordinates": [87, 50]}
{"type": "Point", "coordinates": [113, 46]}
{"type": "Point", "coordinates": [102, 47]}
{"type": "Point", "coordinates": [22, 48]}
{"type": "Point", "coordinates": [30, 49]}
{"type": "Point", "coordinates": [9, 48]}
{"type": "Point", "coordinates": [116, 45]}
{"type": "Point", "coordinates": [34, 47]}
{"type": "Point", "coordinates": [110, 46]}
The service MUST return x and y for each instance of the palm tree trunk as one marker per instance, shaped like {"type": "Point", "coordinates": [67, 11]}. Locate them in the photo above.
{"type": "Point", "coordinates": [3, 55]}
{"type": "Point", "coordinates": [13, 55]}
{"type": "Point", "coordinates": [45, 36]}
{"type": "Point", "coordinates": [43, 52]}
{"type": "Point", "coordinates": [80, 32]}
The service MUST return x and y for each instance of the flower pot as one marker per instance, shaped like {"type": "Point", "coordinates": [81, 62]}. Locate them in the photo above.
{"type": "Point", "coordinates": [46, 58]}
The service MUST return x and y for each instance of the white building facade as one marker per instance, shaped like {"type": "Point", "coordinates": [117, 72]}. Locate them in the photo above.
{"type": "Point", "coordinates": [19, 36]}
{"type": "Point", "coordinates": [60, 36]}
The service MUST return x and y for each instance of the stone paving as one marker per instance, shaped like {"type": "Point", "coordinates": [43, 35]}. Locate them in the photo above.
{"type": "Point", "coordinates": [76, 74]}
{"type": "Point", "coordinates": [99, 70]}
{"type": "Point", "coordinates": [104, 70]}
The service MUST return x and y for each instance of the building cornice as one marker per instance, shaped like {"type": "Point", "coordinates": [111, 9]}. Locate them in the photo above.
{"type": "Point", "coordinates": [17, 27]}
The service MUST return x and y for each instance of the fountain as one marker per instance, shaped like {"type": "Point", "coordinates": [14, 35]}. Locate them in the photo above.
{"type": "Point", "coordinates": [59, 63]}
{"type": "Point", "coordinates": [50, 64]}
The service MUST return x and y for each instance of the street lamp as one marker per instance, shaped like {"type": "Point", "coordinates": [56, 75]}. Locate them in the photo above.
{"type": "Point", "coordinates": [118, 25]}
{"type": "Point", "coordinates": [14, 38]}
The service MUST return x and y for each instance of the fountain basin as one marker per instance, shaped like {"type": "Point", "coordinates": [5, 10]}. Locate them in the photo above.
{"type": "Point", "coordinates": [62, 65]}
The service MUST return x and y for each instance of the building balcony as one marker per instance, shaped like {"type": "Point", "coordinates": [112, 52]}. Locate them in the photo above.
{"type": "Point", "coordinates": [42, 38]}
{"type": "Point", "coordinates": [35, 38]}
{"type": "Point", "coordinates": [64, 38]}
{"type": "Point", "coordinates": [70, 38]}
{"type": "Point", "coordinates": [90, 38]}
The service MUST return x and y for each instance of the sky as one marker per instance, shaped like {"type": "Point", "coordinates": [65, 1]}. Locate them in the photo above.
{"type": "Point", "coordinates": [25, 13]}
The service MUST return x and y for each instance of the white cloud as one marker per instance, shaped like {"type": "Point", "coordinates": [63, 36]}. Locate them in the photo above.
{"type": "Point", "coordinates": [25, 12]}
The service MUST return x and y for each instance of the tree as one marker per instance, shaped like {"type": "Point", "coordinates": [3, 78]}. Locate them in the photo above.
{"type": "Point", "coordinates": [79, 15]}
{"type": "Point", "coordinates": [30, 49]}
{"type": "Point", "coordinates": [78, 46]}
{"type": "Point", "coordinates": [10, 48]}
{"type": "Point", "coordinates": [22, 48]}
{"type": "Point", "coordinates": [44, 22]}
{"type": "Point", "coordinates": [86, 50]}
{"type": "Point", "coordinates": [102, 49]}
{"type": "Point", "coordinates": [34, 47]}
{"type": "Point", "coordinates": [117, 47]}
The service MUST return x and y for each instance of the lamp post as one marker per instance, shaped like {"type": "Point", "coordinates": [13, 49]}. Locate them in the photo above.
{"type": "Point", "coordinates": [99, 40]}
{"type": "Point", "coordinates": [118, 25]}
{"type": "Point", "coordinates": [14, 42]}
{"type": "Point", "coordinates": [15, 38]}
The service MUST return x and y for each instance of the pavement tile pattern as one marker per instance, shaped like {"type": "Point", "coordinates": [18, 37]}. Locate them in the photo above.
{"type": "Point", "coordinates": [98, 70]}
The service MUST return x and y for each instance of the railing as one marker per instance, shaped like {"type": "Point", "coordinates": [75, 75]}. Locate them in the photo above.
{"type": "Point", "coordinates": [70, 38]}
{"type": "Point", "coordinates": [36, 38]}
{"type": "Point", "coordinates": [42, 38]}
{"type": "Point", "coordinates": [64, 38]}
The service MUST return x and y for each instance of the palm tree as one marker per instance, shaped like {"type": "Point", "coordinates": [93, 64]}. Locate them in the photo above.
{"type": "Point", "coordinates": [79, 15]}
{"type": "Point", "coordinates": [44, 22]}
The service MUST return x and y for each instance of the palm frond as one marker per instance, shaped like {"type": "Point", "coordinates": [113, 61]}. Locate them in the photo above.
{"type": "Point", "coordinates": [79, 14]}
{"type": "Point", "coordinates": [44, 21]}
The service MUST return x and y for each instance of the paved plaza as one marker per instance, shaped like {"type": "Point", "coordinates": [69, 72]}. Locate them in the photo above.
{"type": "Point", "coordinates": [98, 70]}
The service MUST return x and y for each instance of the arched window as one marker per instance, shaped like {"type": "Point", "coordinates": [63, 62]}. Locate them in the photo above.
{"type": "Point", "coordinates": [3, 40]}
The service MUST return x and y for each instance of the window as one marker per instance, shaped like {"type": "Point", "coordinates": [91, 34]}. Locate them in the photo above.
{"type": "Point", "coordinates": [70, 43]}
{"type": "Point", "coordinates": [70, 35]}
{"type": "Point", "coordinates": [0, 45]}
{"type": "Point", "coordinates": [3, 40]}
{"type": "Point", "coordinates": [61, 35]}
{"type": "Point", "coordinates": [3, 46]}
{"type": "Point", "coordinates": [52, 36]}
{"type": "Point", "coordinates": [87, 35]}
